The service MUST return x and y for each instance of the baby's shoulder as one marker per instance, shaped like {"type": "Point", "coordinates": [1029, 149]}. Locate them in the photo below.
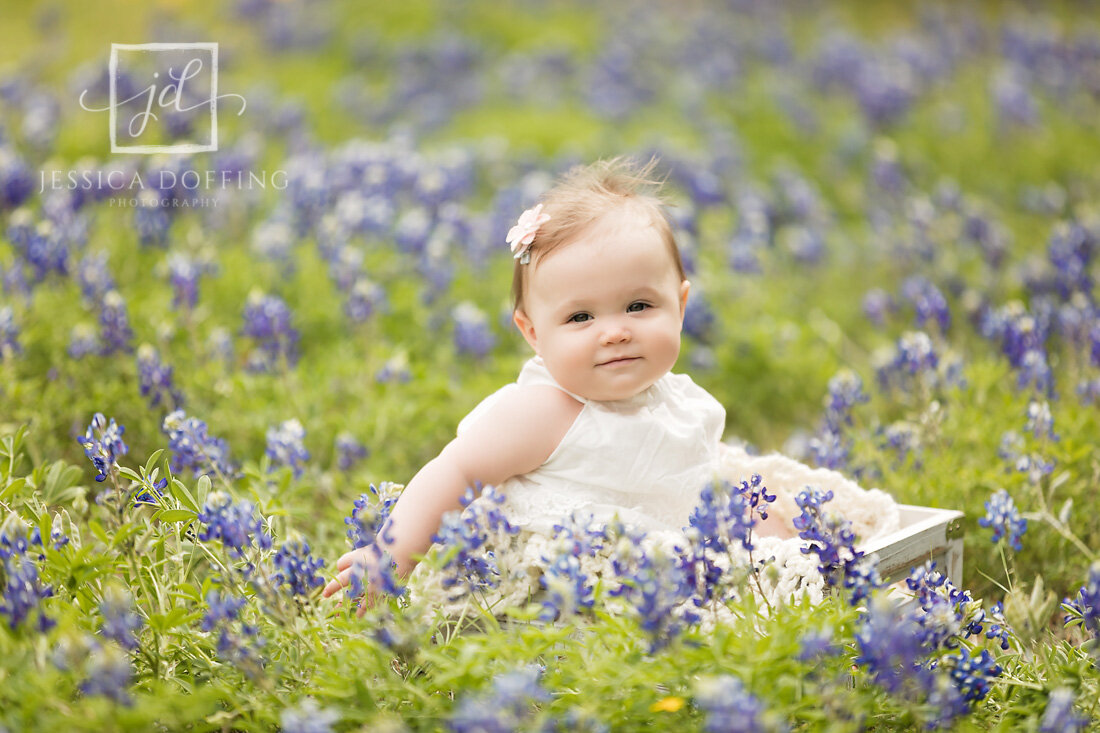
{"type": "Point", "coordinates": [539, 402]}
{"type": "Point", "coordinates": [522, 407]}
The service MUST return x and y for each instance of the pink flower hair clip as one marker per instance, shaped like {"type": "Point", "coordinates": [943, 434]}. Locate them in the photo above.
{"type": "Point", "coordinates": [523, 233]}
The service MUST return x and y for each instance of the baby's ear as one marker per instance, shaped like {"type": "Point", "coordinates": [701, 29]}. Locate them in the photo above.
{"type": "Point", "coordinates": [685, 287]}
{"type": "Point", "coordinates": [526, 327]}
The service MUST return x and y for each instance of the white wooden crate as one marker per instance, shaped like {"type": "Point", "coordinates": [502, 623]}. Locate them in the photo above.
{"type": "Point", "coordinates": [925, 534]}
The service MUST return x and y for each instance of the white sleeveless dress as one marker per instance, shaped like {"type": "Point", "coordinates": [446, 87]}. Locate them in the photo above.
{"type": "Point", "coordinates": [646, 459]}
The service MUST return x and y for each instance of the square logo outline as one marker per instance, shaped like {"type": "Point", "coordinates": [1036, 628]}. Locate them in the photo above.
{"type": "Point", "coordinates": [176, 147]}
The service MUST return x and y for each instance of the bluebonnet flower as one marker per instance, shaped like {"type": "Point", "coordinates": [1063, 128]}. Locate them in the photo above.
{"type": "Point", "coordinates": [948, 613]}
{"type": "Point", "coordinates": [504, 707]}
{"type": "Point", "coordinates": [1084, 609]}
{"type": "Point", "coordinates": [220, 608]}
{"type": "Point", "coordinates": [928, 302]}
{"type": "Point", "coordinates": [889, 645]}
{"type": "Point", "coordinates": [370, 512]}
{"type": "Point", "coordinates": [412, 230]}
{"type": "Point", "coordinates": [349, 451]}
{"type": "Point", "coordinates": [120, 623]}
{"type": "Point", "coordinates": [1035, 372]}
{"type": "Point", "coordinates": [16, 183]}
{"type": "Point", "coordinates": [877, 304]}
{"type": "Point", "coordinates": [295, 569]}
{"type": "Point", "coordinates": [308, 717]}
{"type": "Point", "coordinates": [830, 448]}
{"type": "Point", "coordinates": [156, 379]}
{"type": "Point", "coordinates": [102, 443]}
{"type": "Point", "coordinates": [267, 322]}
{"type": "Point", "coordinates": [23, 590]}
{"type": "Point", "coordinates": [817, 643]}
{"type": "Point", "coordinates": [285, 446]}
{"type": "Point", "coordinates": [220, 345]}
{"type": "Point", "coordinates": [1094, 344]}
{"type": "Point", "coordinates": [656, 584]}
{"type": "Point", "coordinates": [845, 392]}
{"type": "Point", "coordinates": [1035, 466]}
{"type": "Point", "coordinates": [615, 88]}
{"type": "Point", "coordinates": [885, 91]}
{"type": "Point", "coordinates": [1002, 517]}
{"type": "Point", "coordinates": [368, 527]}
{"type": "Point", "coordinates": [109, 672]}
{"type": "Point", "coordinates": [42, 245]}
{"type": "Point", "coordinates": [997, 628]}
{"type": "Point", "coordinates": [805, 243]}
{"type": "Point", "coordinates": [1023, 334]}
{"type": "Point", "coordinates": [273, 240]}
{"type": "Point", "coordinates": [151, 220]}
{"type": "Point", "coordinates": [887, 173]}
{"type": "Point", "coordinates": [1070, 251]}
{"type": "Point", "coordinates": [9, 334]}
{"type": "Point", "coordinates": [468, 568]}
{"type": "Point", "coordinates": [729, 707]}
{"type": "Point", "coordinates": [568, 588]}
{"type": "Point", "coordinates": [698, 316]}
{"type": "Point", "coordinates": [396, 369]}
{"type": "Point", "coordinates": [903, 438]}
{"type": "Point", "coordinates": [364, 299]}
{"type": "Point", "coordinates": [243, 649]}
{"type": "Point", "coordinates": [972, 675]}
{"type": "Point", "coordinates": [114, 324]}
{"type": "Point", "coordinates": [722, 517]}
{"type": "Point", "coordinates": [472, 334]}
{"type": "Point", "coordinates": [183, 275]}
{"type": "Point", "coordinates": [1039, 420]}
{"type": "Point", "coordinates": [830, 537]}
{"type": "Point", "coordinates": [144, 493]}
{"type": "Point", "coordinates": [1088, 390]}
{"type": "Point", "coordinates": [1014, 102]}
{"type": "Point", "coordinates": [193, 449]}
{"type": "Point", "coordinates": [236, 524]}
{"type": "Point", "coordinates": [94, 276]}
{"type": "Point", "coordinates": [1059, 715]}
{"type": "Point", "coordinates": [914, 357]}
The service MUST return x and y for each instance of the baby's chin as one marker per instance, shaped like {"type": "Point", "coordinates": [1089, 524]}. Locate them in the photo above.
{"type": "Point", "coordinates": [607, 393]}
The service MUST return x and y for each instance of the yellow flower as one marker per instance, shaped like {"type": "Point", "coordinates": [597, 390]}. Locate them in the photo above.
{"type": "Point", "coordinates": [667, 705]}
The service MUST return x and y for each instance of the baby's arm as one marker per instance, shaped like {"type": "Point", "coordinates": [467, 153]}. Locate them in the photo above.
{"type": "Point", "coordinates": [515, 436]}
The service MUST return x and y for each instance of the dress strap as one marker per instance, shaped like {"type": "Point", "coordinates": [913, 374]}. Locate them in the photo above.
{"type": "Point", "coordinates": [535, 372]}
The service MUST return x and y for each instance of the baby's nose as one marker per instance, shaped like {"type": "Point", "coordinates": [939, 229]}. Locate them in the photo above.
{"type": "Point", "coordinates": [615, 333]}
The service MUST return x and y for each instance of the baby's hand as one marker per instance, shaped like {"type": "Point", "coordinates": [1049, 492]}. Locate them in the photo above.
{"type": "Point", "coordinates": [359, 564]}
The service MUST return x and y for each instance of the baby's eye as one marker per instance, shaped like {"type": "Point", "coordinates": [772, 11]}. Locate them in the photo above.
{"type": "Point", "coordinates": [637, 307]}
{"type": "Point", "coordinates": [579, 318]}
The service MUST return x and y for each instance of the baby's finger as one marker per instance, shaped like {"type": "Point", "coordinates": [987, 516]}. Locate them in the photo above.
{"type": "Point", "coordinates": [346, 560]}
{"type": "Point", "coordinates": [336, 583]}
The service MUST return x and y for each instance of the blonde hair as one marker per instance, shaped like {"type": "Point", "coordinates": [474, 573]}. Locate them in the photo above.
{"type": "Point", "coordinates": [585, 195]}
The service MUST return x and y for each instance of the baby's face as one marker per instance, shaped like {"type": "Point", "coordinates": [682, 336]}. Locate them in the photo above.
{"type": "Point", "coordinates": [605, 314]}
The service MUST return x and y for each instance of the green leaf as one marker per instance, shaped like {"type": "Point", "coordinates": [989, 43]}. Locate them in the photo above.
{"type": "Point", "coordinates": [175, 515]}
{"type": "Point", "coordinates": [202, 489]}
{"type": "Point", "coordinates": [178, 616]}
{"type": "Point", "coordinates": [59, 482]}
{"type": "Point", "coordinates": [183, 496]}
{"type": "Point", "coordinates": [12, 488]}
{"type": "Point", "coordinates": [129, 473]}
{"type": "Point", "coordinates": [149, 464]}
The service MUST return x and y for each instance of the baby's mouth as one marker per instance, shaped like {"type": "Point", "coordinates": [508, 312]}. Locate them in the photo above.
{"type": "Point", "coordinates": [621, 361]}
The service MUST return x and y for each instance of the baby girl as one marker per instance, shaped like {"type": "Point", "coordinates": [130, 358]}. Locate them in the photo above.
{"type": "Point", "coordinates": [597, 425]}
